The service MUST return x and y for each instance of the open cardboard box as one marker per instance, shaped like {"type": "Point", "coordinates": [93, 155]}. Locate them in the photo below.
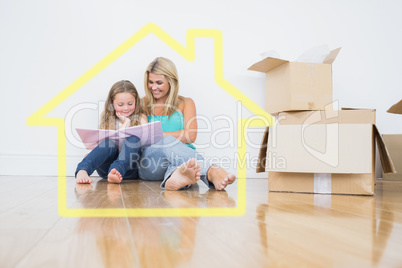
{"type": "Point", "coordinates": [329, 152]}
{"type": "Point", "coordinates": [292, 86]}
{"type": "Point", "coordinates": [396, 108]}
{"type": "Point", "coordinates": [393, 142]}
{"type": "Point", "coordinates": [394, 146]}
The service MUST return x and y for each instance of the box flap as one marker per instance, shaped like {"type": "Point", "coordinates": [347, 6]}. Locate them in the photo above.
{"type": "Point", "coordinates": [386, 162]}
{"type": "Point", "coordinates": [267, 64]}
{"type": "Point", "coordinates": [332, 55]}
{"type": "Point", "coordinates": [344, 116]}
{"type": "Point", "coordinates": [393, 142]}
{"type": "Point", "coordinates": [396, 108]}
{"type": "Point", "coordinates": [357, 109]}
{"type": "Point", "coordinates": [263, 152]}
{"type": "Point", "coordinates": [394, 147]}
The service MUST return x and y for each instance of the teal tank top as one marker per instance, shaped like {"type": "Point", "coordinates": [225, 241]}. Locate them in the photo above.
{"type": "Point", "coordinates": [174, 123]}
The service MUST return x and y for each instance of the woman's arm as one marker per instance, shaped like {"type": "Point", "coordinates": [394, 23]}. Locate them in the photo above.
{"type": "Point", "coordinates": [189, 133]}
{"type": "Point", "coordinates": [143, 119]}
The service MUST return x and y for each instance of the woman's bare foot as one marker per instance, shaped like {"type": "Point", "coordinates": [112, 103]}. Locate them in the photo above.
{"type": "Point", "coordinates": [83, 177]}
{"type": "Point", "coordinates": [185, 174]}
{"type": "Point", "coordinates": [219, 177]}
{"type": "Point", "coordinates": [114, 176]}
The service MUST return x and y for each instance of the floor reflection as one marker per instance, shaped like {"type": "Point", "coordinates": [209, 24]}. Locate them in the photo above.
{"type": "Point", "coordinates": [167, 241]}
{"type": "Point", "coordinates": [99, 195]}
{"type": "Point", "coordinates": [196, 198]}
{"type": "Point", "coordinates": [170, 241]}
{"type": "Point", "coordinates": [148, 242]}
{"type": "Point", "coordinates": [323, 230]}
{"type": "Point", "coordinates": [111, 236]}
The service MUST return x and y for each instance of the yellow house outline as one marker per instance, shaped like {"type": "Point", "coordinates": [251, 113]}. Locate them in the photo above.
{"type": "Point", "coordinates": [261, 119]}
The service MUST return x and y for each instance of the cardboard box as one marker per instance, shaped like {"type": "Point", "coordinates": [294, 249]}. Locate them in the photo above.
{"type": "Point", "coordinates": [321, 148]}
{"type": "Point", "coordinates": [396, 108]}
{"type": "Point", "coordinates": [393, 142]}
{"type": "Point", "coordinates": [322, 183]}
{"type": "Point", "coordinates": [323, 152]}
{"type": "Point", "coordinates": [292, 86]}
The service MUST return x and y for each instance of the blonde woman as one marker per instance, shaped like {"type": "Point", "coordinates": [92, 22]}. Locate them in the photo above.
{"type": "Point", "coordinates": [174, 160]}
{"type": "Point", "coordinates": [122, 109]}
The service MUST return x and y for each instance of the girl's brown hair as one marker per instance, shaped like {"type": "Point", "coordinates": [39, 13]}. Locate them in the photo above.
{"type": "Point", "coordinates": [108, 117]}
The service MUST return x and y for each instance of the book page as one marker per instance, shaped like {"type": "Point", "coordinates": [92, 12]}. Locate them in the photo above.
{"type": "Point", "coordinates": [148, 133]}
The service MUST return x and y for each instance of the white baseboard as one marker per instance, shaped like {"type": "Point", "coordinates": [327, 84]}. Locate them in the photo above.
{"type": "Point", "coordinates": [46, 165]}
{"type": "Point", "coordinates": [35, 164]}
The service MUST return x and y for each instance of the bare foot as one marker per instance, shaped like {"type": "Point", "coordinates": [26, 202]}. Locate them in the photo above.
{"type": "Point", "coordinates": [219, 177]}
{"type": "Point", "coordinates": [185, 174]}
{"type": "Point", "coordinates": [114, 176]}
{"type": "Point", "coordinates": [83, 177]}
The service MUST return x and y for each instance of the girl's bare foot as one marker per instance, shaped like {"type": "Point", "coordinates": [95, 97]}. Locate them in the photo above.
{"type": "Point", "coordinates": [83, 177]}
{"type": "Point", "coordinates": [114, 176]}
{"type": "Point", "coordinates": [219, 177]}
{"type": "Point", "coordinates": [185, 174]}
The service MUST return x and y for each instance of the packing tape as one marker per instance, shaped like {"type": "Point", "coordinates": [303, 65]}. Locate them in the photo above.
{"type": "Point", "coordinates": [322, 200]}
{"type": "Point", "coordinates": [322, 183]}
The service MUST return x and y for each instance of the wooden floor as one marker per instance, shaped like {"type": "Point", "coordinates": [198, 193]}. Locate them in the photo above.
{"type": "Point", "coordinates": [277, 230]}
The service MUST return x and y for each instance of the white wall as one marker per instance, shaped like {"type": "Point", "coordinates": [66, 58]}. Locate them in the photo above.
{"type": "Point", "coordinates": [46, 45]}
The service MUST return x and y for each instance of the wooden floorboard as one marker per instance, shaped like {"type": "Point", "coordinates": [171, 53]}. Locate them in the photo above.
{"type": "Point", "coordinates": [20, 190]}
{"type": "Point", "coordinates": [277, 229]}
{"type": "Point", "coordinates": [26, 216]}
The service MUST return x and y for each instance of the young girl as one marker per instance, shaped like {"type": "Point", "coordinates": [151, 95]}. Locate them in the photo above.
{"type": "Point", "coordinates": [122, 109]}
{"type": "Point", "coordinates": [174, 159]}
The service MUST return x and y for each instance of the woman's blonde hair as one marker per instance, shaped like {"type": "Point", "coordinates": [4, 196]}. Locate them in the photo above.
{"type": "Point", "coordinates": [108, 117]}
{"type": "Point", "coordinates": [165, 67]}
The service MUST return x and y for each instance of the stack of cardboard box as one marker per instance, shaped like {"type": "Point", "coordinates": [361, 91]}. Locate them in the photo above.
{"type": "Point", "coordinates": [313, 148]}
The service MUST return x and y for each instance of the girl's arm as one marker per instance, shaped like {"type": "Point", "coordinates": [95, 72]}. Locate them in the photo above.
{"type": "Point", "coordinates": [189, 133]}
{"type": "Point", "coordinates": [126, 120]}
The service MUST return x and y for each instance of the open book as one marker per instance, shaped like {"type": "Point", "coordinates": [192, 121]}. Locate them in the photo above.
{"type": "Point", "coordinates": [148, 133]}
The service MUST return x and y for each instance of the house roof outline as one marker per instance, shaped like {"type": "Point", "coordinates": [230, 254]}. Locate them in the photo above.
{"type": "Point", "coordinates": [188, 52]}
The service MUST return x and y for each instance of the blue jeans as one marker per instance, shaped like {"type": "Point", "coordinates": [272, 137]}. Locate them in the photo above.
{"type": "Point", "coordinates": [106, 156]}
{"type": "Point", "coordinates": [159, 160]}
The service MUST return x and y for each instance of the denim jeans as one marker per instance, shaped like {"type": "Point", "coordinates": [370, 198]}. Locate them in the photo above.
{"type": "Point", "coordinates": [159, 160]}
{"type": "Point", "coordinates": [106, 156]}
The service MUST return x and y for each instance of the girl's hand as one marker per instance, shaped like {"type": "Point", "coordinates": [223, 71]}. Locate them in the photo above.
{"type": "Point", "coordinates": [126, 121]}
{"type": "Point", "coordinates": [123, 118]}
